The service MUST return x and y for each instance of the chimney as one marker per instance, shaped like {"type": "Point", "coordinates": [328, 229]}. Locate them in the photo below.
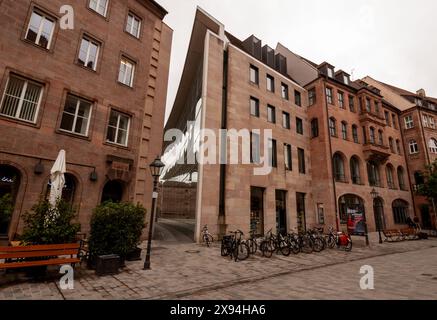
{"type": "Point", "coordinates": [421, 93]}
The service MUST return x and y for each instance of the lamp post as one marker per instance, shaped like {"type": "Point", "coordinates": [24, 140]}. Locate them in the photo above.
{"type": "Point", "coordinates": [155, 169]}
{"type": "Point", "coordinates": [375, 195]}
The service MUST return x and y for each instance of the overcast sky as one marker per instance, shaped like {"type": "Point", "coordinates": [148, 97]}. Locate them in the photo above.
{"type": "Point", "coordinates": [394, 41]}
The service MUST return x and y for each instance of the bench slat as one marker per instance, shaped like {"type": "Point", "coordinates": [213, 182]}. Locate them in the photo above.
{"type": "Point", "coordinates": [43, 247]}
{"type": "Point", "coordinates": [47, 253]}
{"type": "Point", "coordinates": [50, 262]}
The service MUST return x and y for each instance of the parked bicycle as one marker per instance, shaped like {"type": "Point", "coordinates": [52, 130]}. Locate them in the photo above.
{"type": "Point", "coordinates": [234, 246]}
{"type": "Point", "coordinates": [339, 239]}
{"type": "Point", "coordinates": [206, 236]}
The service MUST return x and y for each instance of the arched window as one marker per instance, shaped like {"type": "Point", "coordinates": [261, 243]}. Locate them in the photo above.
{"type": "Point", "coordinates": [355, 133]}
{"type": "Point", "coordinates": [344, 130]}
{"type": "Point", "coordinates": [339, 172]}
{"type": "Point", "coordinates": [414, 148]}
{"type": "Point", "coordinates": [112, 191]}
{"type": "Point", "coordinates": [355, 170]}
{"type": "Point", "coordinates": [401, 179]}
{"type": "Point", "coordinates": [372, 135]}
{"type": "Point", "coordinates": [398, 146]}
{"type": "Point", "coordinates": [314, 128]}
{"type": "Point", "coordinates": [391, 144]}
{"type": "Point", "coordinates": [380, 138]}
{"type": "Point", "coordinates": [373, 174]}
{"type": "Point", "coordinates": [433, 145]}
{"type": "Point", "coordinates": [349, 204]}
{"type": "Point", "coordinates": [332, 127]}
{"type": "Point", "coordinates": [389, 174]}
{"type": "Point", "coordinates": [69, 190]}
{"type": "Point", "coordinates": [400, 211]}
{"type": "Point", "coordinates": [10, 179]}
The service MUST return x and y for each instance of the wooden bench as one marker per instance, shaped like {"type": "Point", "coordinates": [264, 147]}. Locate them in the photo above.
{"type": "Point", "coordinates": [392, 235]}
{"type": "Point", "coordinates": [39, 255]}
{"type": "Point", "coordinates": [409, 234]}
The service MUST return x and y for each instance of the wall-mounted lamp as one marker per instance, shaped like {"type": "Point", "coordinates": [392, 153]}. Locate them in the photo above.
{"type": "Point", "coordinates": [93, 175]}
{"type": "Point", "coordinates": [39, 168]}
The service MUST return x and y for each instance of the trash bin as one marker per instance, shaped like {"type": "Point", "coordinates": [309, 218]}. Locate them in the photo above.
{"type": "Point", "coordinates": [107, 264]}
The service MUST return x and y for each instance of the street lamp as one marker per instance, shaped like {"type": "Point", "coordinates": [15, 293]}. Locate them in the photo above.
{"type": "Point", "coordinates": [155, 169]}
{"type": "Point", "coordinates": [375, 195]}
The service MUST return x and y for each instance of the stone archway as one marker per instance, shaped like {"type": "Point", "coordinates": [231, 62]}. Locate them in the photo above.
{"type": "Point", "coordinates": [378, 212]}
{"type": "Point", "coordinates": [10, 180]}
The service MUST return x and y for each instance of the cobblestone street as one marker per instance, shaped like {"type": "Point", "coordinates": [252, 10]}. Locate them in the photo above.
{"type": "Point", "coordinates": [406, 270]}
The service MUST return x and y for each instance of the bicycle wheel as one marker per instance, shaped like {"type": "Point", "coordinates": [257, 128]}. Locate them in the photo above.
{"type": "Point", "coordinates": [294, 246]}
{"type": "Point", "coordinates": [284, 248]}
{"type": "Point", "coordinates": [306, 245]}
{"type": "Point", "coordinates": [317, 244]}
{"type": "Point", "coordinates": [331, 242]}
{"type": "Point", "coordinates": [348, 246]}
{"type": "Point", "coordinates": [266, 249]}
{"type": "Point", "coordinates": [208, 239]}
{"type": "Point", "coordinates": [253, 246]}
{"type": "Point", "coordinates": [224, 250]}
{"type": "Point", "coordinates": [241, 251]}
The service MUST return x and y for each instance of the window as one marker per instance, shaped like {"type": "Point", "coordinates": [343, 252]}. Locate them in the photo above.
{"type": "Point", "coordinates": [286, 120]}
{"type": "Point", "coordinates": [299, 125]}
{"type": "Point", "coordinates": [297, 98]}
{"type": "Point", "coordinates": [355, 133]}
{"type": "Point", "coordinates": [389, 174]}
{"type": "Point", "coordinates": [414, 148]}
{"type": "Point", "coordinates": [355, 170]}
{"type": "Point", "coordinates": [332, 127]}
{"type": "Point", "coordinates": [329, 95]}
{"type": "Point", "coordinates": [127, 72]}
{"type": "Point", "coordinates": [376, 107]}
{"type": "Point", "coordinates": [301, 160]}
{"type": "Point", "coordinates": [431, 122]}
{"type": "Point", "coordinates": [400, 211]}
{"type": "Point", "coordinates": [339, 173]}
{"type": "Point", "coordinates": [364, 135]}
{"type": "Point", "coordinates": [314, 128]}
{"type": "Point", "coordinates": [380, 138]}
{"type": "Point", "coordinates": [425, 121]}
{"type": "Point", "coordinates": [372, 135]}
{"type": "Point", "coordinates": [89, 53]}
{"type": "Point", "coordinates": [346, 79]}
{"type": "Point", "coordinates": [428, 121]}
{"type": "Point", "coordinates": [312, 96]}
{"type": "Point", "coordinates": [341, 100]}
{"type": "Point", "coordinates": [368, 106]}
{"type": "Point", "coordinates": [270, 83]}
{"type": "Point", "coordinates": [387, 118]}
{"type": "Point", "coordinates": [255, 148]}
{"type": "Point", "coordinates": [271, 114]}
{"type": "Point", "coordinates": [254, 74]}
{"type": "Point", "coordinates": [284, 91]}
{"type": "Point", "coordinates": [393, 118]}
{"type": "Point", "coordinates": [373, 174]}
{"type": "Point", "coordinates": [287, 157]}
{"type": "Point", "coordinates": [40, 30]}
{"type": "Point", "coordinates": [398, 146]}
{"type": "Point", "coordinates": [330, 72]}
{"type": "Point", "coordinates": [409, 123]}
{"type": "Point", "coordinates": [273, 160]}
{"type": "Point", "coordinates": [21, 99]}
{"type": "Point", "coordinates": [352, 103]}
{"type": "Point", "coordinates": [76, 115]}
{"type": "Point", "coordinates": [344, 130]}
{"type": "Point", "coordinates": [118, 128]}
{"type": "Point", "coordinates": [391, 144]}
{"type": "Point", "coordinates": [133, 25]}
{"type": "Point", "coordinates": [254, 107]}
{"type": "Point", "coordinates": [401, 179]}
{"type": "Point", "coordinates": [99, 6]}
{"type": "Point", "coordinates": [433, 145]}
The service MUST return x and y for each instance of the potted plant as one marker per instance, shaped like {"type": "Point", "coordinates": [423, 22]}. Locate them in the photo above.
{"type": "Point", "coordinates": [116, 229]}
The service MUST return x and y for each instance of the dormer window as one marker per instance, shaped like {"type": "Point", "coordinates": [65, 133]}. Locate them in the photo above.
{"type": "Point", "coordinates": [330, 72]}
{"type": "Point", "coordinates": [419, 102]}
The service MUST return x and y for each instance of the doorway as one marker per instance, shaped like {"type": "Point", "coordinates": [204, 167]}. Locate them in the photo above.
{"type": "Point", "coordinates": [378, 211]}
{"type": "Point", "coordinates": [425, 217]}
{"type": "Point", "coordinates": [112, 191]}
{"type": "Point", "coordinates": [9, 185]}
{"type": "Point", "coordinates": [281, 212]}
{"type": "Point", "coordinates": [257, 210]}
{"type": "Point", "coordinates": [301, 216]}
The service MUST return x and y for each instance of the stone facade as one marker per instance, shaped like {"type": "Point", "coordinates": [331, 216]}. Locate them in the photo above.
{"type": "Point", "coordinates": [29, 148]}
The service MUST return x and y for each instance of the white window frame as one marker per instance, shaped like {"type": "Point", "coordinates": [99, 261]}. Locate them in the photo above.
{"type": "Point", "coordinates": [433, 145]}
{"type": "Point", "coordinates": [409, 122]}
{"type": "Point", "coordinates": [21, 101]}
{"type": "Point", "coordinates": [117, 128]}
{"type": "Point", "coordinates": [135, 18]}
{"type": "Point", "coordinates": [127, 61]}
{"type": "Point", "coordinates": [425, 121]}
{"type": "Point", "coordinates": [90, 41]}
{"type": "Point", "coordinates": [38, 36]}
{"type": "Point", "coordinates": [413, 146]}
{"type": "Point", "coordinates": [431, 122]}
{"type": "Point", "coordinates": [79, 100]}
{"type": "Point", "coordinates": [98, 5]}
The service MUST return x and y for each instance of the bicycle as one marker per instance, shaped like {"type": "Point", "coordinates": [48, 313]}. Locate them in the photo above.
{"type": "Point", "coordinates": [252, 242]}
{"type": "Point", "coordinates": [279, 243]}
{"type": "Point", "coordinates": [206, 236]}
{"type": "Point", "coordinates": [339, 239]}
{"type": "Point", "coordinates": [235, 247]}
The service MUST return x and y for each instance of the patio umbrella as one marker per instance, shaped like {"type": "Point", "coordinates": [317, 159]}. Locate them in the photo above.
{"type": "Point", "coordinates": [57, 178]}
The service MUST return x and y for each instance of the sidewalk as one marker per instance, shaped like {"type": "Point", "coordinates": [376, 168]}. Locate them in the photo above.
{"type": "Point", "coordinates": [180, 270]}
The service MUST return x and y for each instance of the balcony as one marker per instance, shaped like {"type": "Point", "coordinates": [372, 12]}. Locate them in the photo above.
{"type": "Point", "coordinates": [376, 152]}
{"type": "Point", "coordinates": [370, 117]}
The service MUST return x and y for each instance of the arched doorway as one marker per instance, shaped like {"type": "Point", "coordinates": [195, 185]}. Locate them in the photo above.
{"type": "Point", "coordinates": [349, 204]}
{"type": "Point", "coordinates": [10, 179]}
{"type": "Point", "coordinates": [69, 190]}
{"type": "Point", "coordinates": [113, 191]}
{"type": "Point", "coordinates": [378, 211]}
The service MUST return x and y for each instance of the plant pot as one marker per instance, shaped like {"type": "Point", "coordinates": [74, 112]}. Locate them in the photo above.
{"type": "Point", "coordinates": [134, 255]}
{"type": "Point", "coordinates": [122, 261]}
{"type": "Point", "coordinates": [107, 264]}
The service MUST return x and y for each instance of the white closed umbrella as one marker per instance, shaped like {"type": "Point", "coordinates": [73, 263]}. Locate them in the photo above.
{"type": "Point", "coordinates": [57, 178]}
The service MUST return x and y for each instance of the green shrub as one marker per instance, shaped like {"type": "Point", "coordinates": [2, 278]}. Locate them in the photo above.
{"type": "Point", "coordinates": [47, 225]}
{"type": "Point", "coordinates": [6, 209]}
{"type": "Point", "coordinates": [116, 228]}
